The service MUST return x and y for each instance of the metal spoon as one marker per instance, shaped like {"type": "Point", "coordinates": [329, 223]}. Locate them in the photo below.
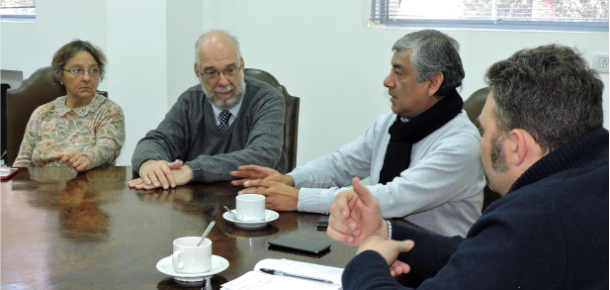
{"type": "Point", "coordinates": [207, 231]}
{"type": "Point", "coordinates": [232, 213]}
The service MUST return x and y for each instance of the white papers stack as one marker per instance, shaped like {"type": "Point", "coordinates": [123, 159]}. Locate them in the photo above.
{"type": "Point", "coordinates": [259, 280]}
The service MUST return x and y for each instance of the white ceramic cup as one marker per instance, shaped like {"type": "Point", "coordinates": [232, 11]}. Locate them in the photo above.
{"type": "Point", "coordinates": [188, 258]}
{"type": "Point", "coordinates": [250, 207]}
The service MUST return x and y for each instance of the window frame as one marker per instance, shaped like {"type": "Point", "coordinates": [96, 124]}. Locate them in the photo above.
{"type": "Point", "coordinates": [18, 17]}
{"type": "Point", "coordinates": [538, 26]}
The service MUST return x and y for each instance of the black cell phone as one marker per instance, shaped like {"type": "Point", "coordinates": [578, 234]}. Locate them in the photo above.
{"type": "Point", "coordinates": [300, 244]}
{"type": "Point", "coordinates": [323, 222]}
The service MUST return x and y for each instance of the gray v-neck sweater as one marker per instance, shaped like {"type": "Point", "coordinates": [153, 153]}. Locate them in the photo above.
{"type": "Point", "coordinates": [189, 132]}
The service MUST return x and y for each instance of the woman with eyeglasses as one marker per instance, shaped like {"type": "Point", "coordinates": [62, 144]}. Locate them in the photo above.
{"type": "Point", "coordinates": [81, 130]}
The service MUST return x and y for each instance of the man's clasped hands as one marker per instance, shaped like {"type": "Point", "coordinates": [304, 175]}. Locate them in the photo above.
{"type": "Point", "coordinates": [355, 218]}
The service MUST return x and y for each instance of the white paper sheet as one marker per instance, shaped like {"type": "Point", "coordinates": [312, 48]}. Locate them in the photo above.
{"type": "Point", "coordinates": [254, 280]}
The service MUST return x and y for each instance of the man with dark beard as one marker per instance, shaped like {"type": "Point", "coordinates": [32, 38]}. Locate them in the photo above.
{"type": "Point", "coordinates": [228, 120]}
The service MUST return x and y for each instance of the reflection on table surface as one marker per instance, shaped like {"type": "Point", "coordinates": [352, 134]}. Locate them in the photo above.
{"type": "Point", "coordinates": [63, 230]}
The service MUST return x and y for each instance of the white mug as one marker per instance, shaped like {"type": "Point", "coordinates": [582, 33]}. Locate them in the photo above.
{"type": "Point", "coordinates": [250, 207]}
{"type": "Point", "coordinates": [188, 258]}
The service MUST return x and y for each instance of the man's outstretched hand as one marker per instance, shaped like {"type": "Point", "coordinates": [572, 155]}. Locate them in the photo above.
{"type": "Point", "coordinates": [277, 188]}
{"type": "Point", "coordinates": [255, 172]}
{"type": "Point", "coordinates": [278, 196]}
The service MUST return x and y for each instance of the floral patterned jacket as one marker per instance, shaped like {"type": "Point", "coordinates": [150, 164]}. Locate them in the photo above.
{"type": "Point", "coordinates": [97, 130]}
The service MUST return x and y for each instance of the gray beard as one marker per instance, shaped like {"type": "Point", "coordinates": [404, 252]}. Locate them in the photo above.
{"type": "Point", "coordinates": [238, 94]}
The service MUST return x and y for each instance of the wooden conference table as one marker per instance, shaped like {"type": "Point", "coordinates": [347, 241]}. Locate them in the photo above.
{"type": "Point", "coordinates": [62, 230]}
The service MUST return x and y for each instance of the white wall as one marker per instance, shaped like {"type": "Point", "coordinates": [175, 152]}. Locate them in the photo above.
{"type": "Point", "coordinates": [12, 77]}
{"type": "Point", "coordinates": [149, 51]}
{"type": "Point", "coordinates": [137, 66]}
{"type": "Point", "coordinates": [324, 56]}
{"type": "Point", "coordinates": [27, 47]}
{"type": "Point", "coordinates": [336, 66]}
{"type": "Point", "coordinates": [184, 21]}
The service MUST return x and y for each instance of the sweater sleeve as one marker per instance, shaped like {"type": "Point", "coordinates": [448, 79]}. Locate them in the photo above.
{"type": "Point", "coordinates": [169, 141]}
{"type": "Point", "coordinates": [109, 136]}
{"type": "Point", "coordinates": [263, 147]}
{"type": "Point", "coordinates": [502, 251]}
{"type": "Point", "coordinates": [416, 190]}
{"type": "Point", "coordinates": [429, 255]}
{"type": "Point", "coordinates": [24, 157]}
{"type": "Point", "coordinates": [335, 171]}
{"type": "Point", "coordinates": [368, 270]}
{"type": "Point", "coordinates": [338, 168]}
{"type": "Point", "coordinates": [449, 169]}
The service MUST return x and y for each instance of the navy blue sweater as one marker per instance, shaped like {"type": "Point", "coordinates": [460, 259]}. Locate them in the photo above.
{"type": "Point", "coordinates": [550, 231]}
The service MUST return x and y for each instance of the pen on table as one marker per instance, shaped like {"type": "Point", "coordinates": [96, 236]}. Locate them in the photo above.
{"type": "Point", "coordinates": [277, 272]}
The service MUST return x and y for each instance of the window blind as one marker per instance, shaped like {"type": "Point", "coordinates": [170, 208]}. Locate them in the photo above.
{"type": "Point", "coordinates": [18, 9]}
{"type": "Point", "coordinates": [545, 14]}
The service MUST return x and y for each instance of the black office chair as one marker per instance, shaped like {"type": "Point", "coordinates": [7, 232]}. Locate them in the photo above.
{"type": "Point", "coordinates": [291, 119]}
{"type": "Point", "coordinates": [473, 107]}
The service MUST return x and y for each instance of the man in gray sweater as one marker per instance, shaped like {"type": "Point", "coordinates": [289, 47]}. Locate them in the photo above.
{"type": "Point", "coordinates": [227, 121]}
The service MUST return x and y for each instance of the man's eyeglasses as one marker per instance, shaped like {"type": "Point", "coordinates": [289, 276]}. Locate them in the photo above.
{"type": "Point", "coordinates": [93, 72]}
{"type": "Point", "coordinates": [213, 74]}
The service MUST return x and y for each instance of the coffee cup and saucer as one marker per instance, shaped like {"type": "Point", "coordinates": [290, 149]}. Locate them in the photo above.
{"type": "Point", "coordinates": [191, 265]}
{"type": "Point", "coordinates": [250, 212]}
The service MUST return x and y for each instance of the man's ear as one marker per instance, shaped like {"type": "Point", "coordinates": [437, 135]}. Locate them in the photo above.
{"type": "Point", "coordinates": [435, 83]}
{"type": "Point", "coordinates": [243, 66]}
{"type": "Point", "coordinates": [196, 70]}
{"type": "Point", "coordinates": [518, 147]}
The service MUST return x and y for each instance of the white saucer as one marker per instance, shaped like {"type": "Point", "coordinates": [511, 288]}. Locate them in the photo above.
{"type": "Point", "coordinates": [165, 266]}
{"type": "Point", "coordinates": [269, 217]}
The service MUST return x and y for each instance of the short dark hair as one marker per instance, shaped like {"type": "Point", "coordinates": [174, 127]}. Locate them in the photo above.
{"type": "Point", "coordinates": [66, 52]}
{"type": "Point", "coordinates": [549, 91]}
{"type": "Point", "coordinates": [434, 51]}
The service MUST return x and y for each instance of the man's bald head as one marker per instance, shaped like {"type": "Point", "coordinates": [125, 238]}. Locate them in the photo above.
{"type": "Point", "coordinates": [219, 68]}
{"type": "Point", "coordinates": [216, 41]}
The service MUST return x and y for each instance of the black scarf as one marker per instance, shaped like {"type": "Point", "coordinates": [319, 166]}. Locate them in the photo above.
{"type": "Point", "coordinates": [404, 134]}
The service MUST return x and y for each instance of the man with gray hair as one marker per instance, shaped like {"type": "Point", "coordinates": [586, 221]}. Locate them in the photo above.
{"type": "Point", "coordinates": [422, 157]}
{"type": "Point", "coordinates": [546, 152]}
{"type": "Point", "coordinates": [227, 120]}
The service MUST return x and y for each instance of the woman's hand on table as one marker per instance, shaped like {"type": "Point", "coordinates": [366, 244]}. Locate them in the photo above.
{"type": "Point", "coordinates": [76, 160]}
